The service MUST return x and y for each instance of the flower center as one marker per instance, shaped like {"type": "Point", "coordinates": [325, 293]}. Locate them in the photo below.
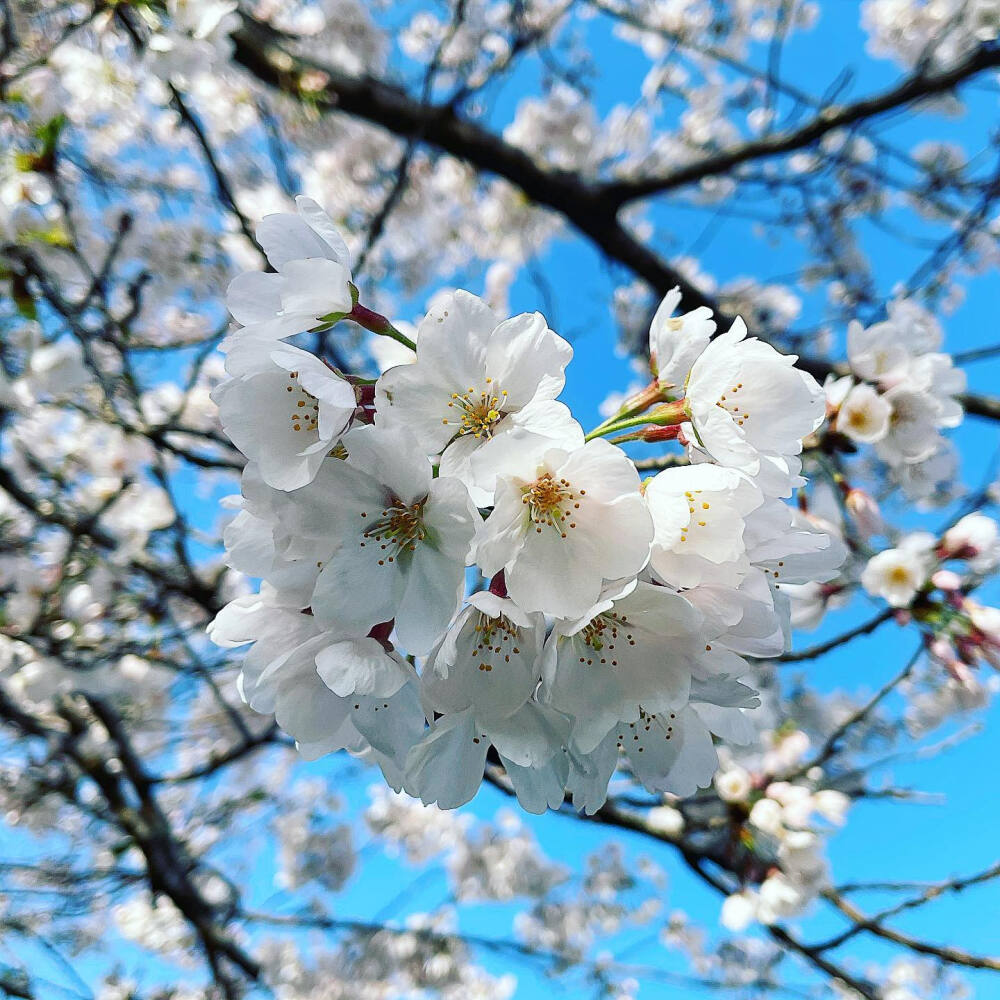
{"type": "Point", "coordinates": [551, 502]}
{"type": "Point", "coordinates": [663, 722]}
{"type": "Point", "coordinates": [305, 407]}
{"type": "Point", "coordinates": [604, 634]}
{"type": "Point", "coordinates": [730, 406]}
{"type": "Point", "coordinates": [858, 419]}
{"type": "Point", "coordinates": [494, 634]}
{"type": "Point", "coordinates": [398, 529]}
{"type": "Point", "coordinates": [477, 413]}
{"type": "Point", "coordinates": [692, 510]}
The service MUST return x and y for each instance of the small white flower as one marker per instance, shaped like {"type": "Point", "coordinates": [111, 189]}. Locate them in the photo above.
{"type": "Point", "coordinates": [489, 660]}
{"type": "Point", "coordinates": [623, 656]}
{"type": "Point", "coordinates": [864, 415]}
{"type": "Point", "coordinates": [563, 522]}
{"type": "Point", "coordinates": [400, 539]}
{"type": "Point", "coordinates": [733, 784]}
{"type": "Point", "coordinates": [912, 434]}
{"type": "Point", "coordinates": [327, 693]}
{"type": "Point", "coordinates": [739, 910]}
{"type": "Point", "coordinates": [480, 389]}
{"type": "Point", "coordinates": [766, 815]}
{"type": "Point", "coordinates": [699, 514]}
{"type": "Point", "coordinates": [747, 401]}
{"type": "Point", "coordinates": [877, 353]}
{"type": "Point", "coordinates": [831, 805]}
{"type": "Point", "coordinates": [669, 751]}
{"type": "Point", "coordinates": [446, 766]}
{"type": "Point", "coordinates": [675, 342]}
{"type": "Point", "coordinates": [666, 820]}
{"type": "Point", "coordinates": [778, 897]}
{"type": "Point", "coordinates": [311, 279]}
{"type": "Point", "coordinates": [898, 574]}
{"type": "Point", "coordinates": [283, 408]}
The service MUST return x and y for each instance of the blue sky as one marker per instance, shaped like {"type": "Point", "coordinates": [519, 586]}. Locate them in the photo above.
{"type": "Point", "coordinates": [905, 841]}
{"type": "Point", "coordinates": [883, 839]}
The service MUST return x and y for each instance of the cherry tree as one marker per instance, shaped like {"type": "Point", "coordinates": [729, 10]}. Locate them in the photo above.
{"type": "Point", "coordinates": [341, 599]}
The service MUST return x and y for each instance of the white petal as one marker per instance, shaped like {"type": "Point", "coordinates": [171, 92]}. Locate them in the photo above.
{"type": "Point", "coordinates": [323, 226]}
{"type": "Point", "coordinates": [447, 765]}
{"type": "Point", "coordinates": [254, 297]}
{"type": "Point", "coordinates": [286, 237]}
{"type": "Point", "coordinates": [315, 287]}
{"type": "Point", "coordinates": [360, 666]}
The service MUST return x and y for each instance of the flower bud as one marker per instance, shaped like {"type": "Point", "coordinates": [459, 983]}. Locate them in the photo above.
{"type": "Point", "coordinates": [865, 513]}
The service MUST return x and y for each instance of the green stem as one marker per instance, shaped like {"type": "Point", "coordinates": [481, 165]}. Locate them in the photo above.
{"type": "Point", "coordinates": [639, 403]}
{"type": "Point", "coordinates": [379, 324]}
{"type": "Point", "coordinates": [663, 416]}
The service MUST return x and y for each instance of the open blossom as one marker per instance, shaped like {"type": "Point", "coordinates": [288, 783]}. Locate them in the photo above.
{"type": "Point", "coordinates": [864, 414]}
{"type": "Point", "coordinates": [197, 38]}
{"type": "Point", "coordinates": [400, 539]}
{"type": "Point", "coordinates": [489, 660]}
{"type": "Point", "coordinates": [633, 653]}
{"type": "Point", "coordinates": [283, 408]}
{"type": "Point", "coordinates": [327, 693]}
{"type": "Point", "coordinates": [563, 522]}
{"type": "Point", "coordinates": [699, 513]}
{"type": "Point", "coordinates": [669, 751]}
{"type": "Point", "coordinates": [311, 279]}
{"type": "Point", "coordinates": [675, 342]}
{"type": "Point", "coordinates": [733, 784]}
{"type": "Point", "coordinates": [898, 574]}
{"type": "Point", "coordinates": [747, 401]}
{"type": "Point", "coordinates": [446, 766]}
{"type": "Point", "coordinates": [480, 389]}
{"type": "Point", "coordinates": [877, 353]}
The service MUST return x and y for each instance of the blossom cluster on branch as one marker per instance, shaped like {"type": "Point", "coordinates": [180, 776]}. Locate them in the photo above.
{"type": "Point", "coordinates": [690, 161]}
{"type": "Point", "coordinates": [606, 614]}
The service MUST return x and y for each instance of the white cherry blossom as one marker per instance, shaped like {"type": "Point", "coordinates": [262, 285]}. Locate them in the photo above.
{"type": "Point", "coordinates": [480, 389]}
{"type": "Point", "coordinates": [283, 408]}
{"type": "Point", "coordinates": [633, 653]}
{"type": "Point", "coordinates": [400, 539]}
{"type": "Point", "coordinates": [675, 342]}
{"type": "Point", "coordinates": [864, 415]}
{"type": "Point", "coordinates": [699, 513]}
{"type": "Point", "coordinates": [898, 574]}
{"type": "Point", "coordinates": [746, 401]}
{"type": "Point", "coordinates": [311, 279]}
{"type": "Point", "coordinates": [490, 659]}
{"type": "Point", "coordinates": [563, 522]}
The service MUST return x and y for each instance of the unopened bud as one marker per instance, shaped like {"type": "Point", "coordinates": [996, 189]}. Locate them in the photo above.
{"type": "Point", "coordinates": [945, 579]}
{"type": "Point", "coordinates": [865, 513]}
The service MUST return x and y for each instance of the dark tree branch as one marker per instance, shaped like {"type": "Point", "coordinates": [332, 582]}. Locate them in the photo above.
{"type": "Point", "coordinates": [921, 85]}
{"type": "Point", "coordinates": [591, 209]}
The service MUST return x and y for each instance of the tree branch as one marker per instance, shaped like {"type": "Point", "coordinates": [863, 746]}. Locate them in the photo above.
{"type": "Point", "coordinates": [919, 86]}
{"type": "Point", "coordinates": [591, 209]}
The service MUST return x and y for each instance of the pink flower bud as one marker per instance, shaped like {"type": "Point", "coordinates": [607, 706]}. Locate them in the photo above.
{"type": "Point", "coordinates": [945, 579]}
{"type": "Point", "coordinates": [865, 513]}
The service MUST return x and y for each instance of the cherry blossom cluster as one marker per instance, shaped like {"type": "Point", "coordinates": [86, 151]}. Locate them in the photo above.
{"type": "Point", "coordinates": [453, 510]}
{"type": "Point", "coordinates": [785, 817]}
{"type": "Point", "coordinates": [900, 395]}
{"type": "Point", "coordinates": [930, 580]}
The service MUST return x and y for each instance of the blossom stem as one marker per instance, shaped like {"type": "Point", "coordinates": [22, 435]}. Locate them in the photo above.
{"type": "Point", "coordinates": [668, 415]}
{"type": "Point", "coordinates": [639, 403]}
{"type": "Point", "coordinates": [379, 324]}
